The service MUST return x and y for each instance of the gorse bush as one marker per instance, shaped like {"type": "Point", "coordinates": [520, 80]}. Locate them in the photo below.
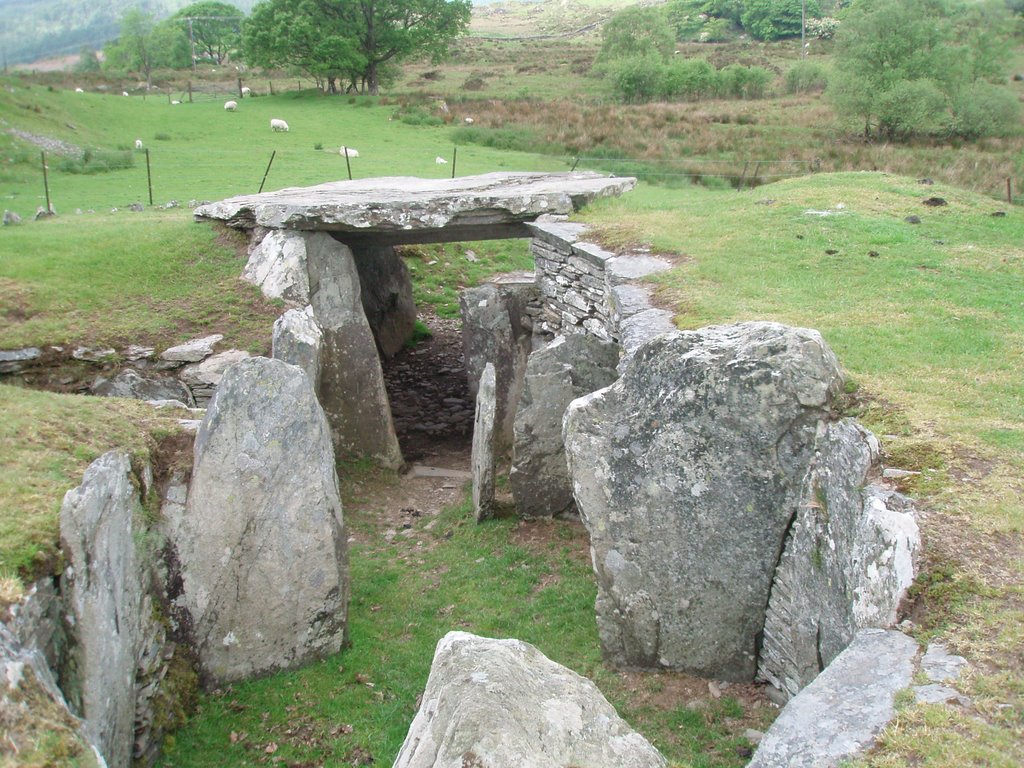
{"type": "Point", "coordinates": [646, 78]}
{"type": "Point", "coordinates": [805, 77]}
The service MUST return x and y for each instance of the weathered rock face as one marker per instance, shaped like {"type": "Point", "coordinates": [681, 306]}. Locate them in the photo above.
{"type": "Point", "coordinates": [842, 712]}
{"type": "Point", "coordinates": [847, 561]}
{"type": "Point", "coordinates": [687, 471]}
{"type": "Point", "coordinates": [351, 382]}
{"type": "Point", "coordinates": [277, 266]}
{"type": "Point", "coordinates": [105, 603]}
{"type": "Point", "coordinates": [503, 704]}
{"type": "Point", "coordinates": [493, 332]}
{"type": "Point", "coordinates": [386, 296]}
{"type": "Point", "coordinates": [569, 367]}
{"type": "Point", "coordinates": [202, 378]}
{"type": "Point", "coordinates": [130, 383]}
{"type": "Point", "coordinates": [191, 351]}
{"type": "Point", "coordinates": [262, 544]}
{"type": "Point", "coordinates": [483, 459]}
{"type": "Point", "coordinates": [299, 341]}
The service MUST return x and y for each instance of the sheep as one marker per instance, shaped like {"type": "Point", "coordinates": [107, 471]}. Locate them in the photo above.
{"type": "Point", "coordinates": [469, 121]}
{"type": "Point", "coordinates": [124, 93]}
{"type": "Point", "coordinates": [246, 91]}
{"type": "Point", "coordinates": [138, 143]}
{"type": "Point", "coordinates": [277, 124]}
{"type": "Point", "coordinates": [440, 161]}
{"type": "Point", "coordinates": [230, 106]}
{"type": "Point", "coordinates": [175, 102]}
{"type": "Point", "coordinates": [348, 151]}
{"type": "Point", "coordinates": [79, 90]}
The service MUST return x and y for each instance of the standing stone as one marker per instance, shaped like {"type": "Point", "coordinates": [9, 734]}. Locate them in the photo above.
{"type": "Point", "coordinates": [494, 331]}
{"type": "Point", "coordinates": [351, 382]}
{"type": "Point", "coordinates": [483, 459]}
{"type": "Point", "coordinates": [277, 266]}
{"type": "Point", "coordinates": [386, 296]}
{"type": "Point", "coordinates": [299, 341]}
{"type": "Point", "coordinates": [569, 367]}
{"type": "Point", "coordinates": [262, 545]}
{"type": "Point", "coordinates": [841, 713]}
{"type": "Point", "coordinates": [103, 592]}
{"type": "Point", "coordinates": [847, 561]}
{"type": "Point", "coordinates": [503, 704]}
{"type": "Point", "coordinates": [686, 472]}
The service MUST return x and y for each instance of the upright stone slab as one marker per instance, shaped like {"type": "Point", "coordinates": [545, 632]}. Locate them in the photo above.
{"type": "Point", "coordinates": [848, 561]}
{"type": "Point", "coordinates": [503, 704]}
{"type": "Point", "coordinates": [483, 459]}
{"type": "Point", "coordinates": [277, 266]}
{"type": "Point", "coordinates": [299, 341]}
{"type": "Point", "coordinates": [351, 381]}
{"type": "Point", "coordinates": [493, 332]}
{"type": "Point", "coordinates": [386, 296]}
{"type": "Point", "coordinates": [841, 713]}
{"type": "Point", "coordinates": [569, 367]}
{"type": "Point", "coordinates": [687, 472]}
{"type": "Point", "coordinates": [262, 547]}
{"type": "Point", "coordinates": [105, 605]}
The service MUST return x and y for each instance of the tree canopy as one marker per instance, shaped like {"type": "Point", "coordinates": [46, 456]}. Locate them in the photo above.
{"type": "Point", "coordinates": [354, 40]}
{"type": "Point", "coordinates": [144, 46]}
{"type": "Point", "coordinates": [216, 28]}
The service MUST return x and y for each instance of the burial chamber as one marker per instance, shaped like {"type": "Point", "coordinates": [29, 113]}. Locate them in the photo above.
{"type": "Point", "coordinates": [332, 248]}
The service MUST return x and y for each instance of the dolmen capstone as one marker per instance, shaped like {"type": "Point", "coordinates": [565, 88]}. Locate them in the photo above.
{"type": "Point", "coordinates": [689, 472]}
{"type": "Point", "coordinates": [261, 545]}
{"type": "Point", "coordinates": [503, 704]}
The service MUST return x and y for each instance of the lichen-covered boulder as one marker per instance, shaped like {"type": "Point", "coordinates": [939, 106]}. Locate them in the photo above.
{"type": "Point", "coordinates": [261, 546]}
{"type": "Point", "coordinates": [503, 704]}
{"type": "Point", "coordinates": [847, 561]}
{"type": "Point", "coordinates": [131, 383]}
{"type": "Point", "coordinates": [277, 266]}
{"type": "Point", "coordinates": [569, 367]}
{"type": "Point", "coordinates": [299, 341]}
{"type": "Point", "coordinates": [686, 472]}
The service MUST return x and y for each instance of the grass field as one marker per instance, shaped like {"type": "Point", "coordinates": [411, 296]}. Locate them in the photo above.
{"type": "Point", "coordinates": [927, 319]}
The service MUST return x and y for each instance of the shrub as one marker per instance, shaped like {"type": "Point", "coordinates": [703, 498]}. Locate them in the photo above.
{"type": "Point", "coordinates": [689, 79]}
{"type": "Point", "coordinates": [739, 82]}
{"type": "Point", "coordinates": [912, 107]}
{"type": "Point", "coordinates": [775, 19]}
{"type": "Point", "coordinates": [823, 28]}
{"type": "Point", "coordinates": [984, 109]}
{"type": "Point", "coordinates": [98, 161]}
{"type": "Point", "coordinates": [638, 78]}
{"type": "Point", "coordinates": [714, 31]}
{"type": "Point", "coordinates": [805, 77]}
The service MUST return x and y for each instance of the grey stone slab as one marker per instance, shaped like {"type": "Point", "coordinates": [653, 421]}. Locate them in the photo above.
{"type": "Point", "coordinates": [557, 233]}
{"type": "Point", "coordinates": [299, 341]}
{"type": "Point", "coordinates": [634, 266]}
{"type": "Point", "coordinates": [192, 351]}
{"type": "Point", "coordinates": [940, 665]}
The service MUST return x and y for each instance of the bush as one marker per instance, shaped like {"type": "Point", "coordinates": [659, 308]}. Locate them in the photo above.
{"type": "Point", "coordinates": [775, 19]}
{"type": "Point", "coordinates": [639, 78]}
{"type": "Point", "coordinates": [985, 110]}
{"type": "Point", "coordinates": [689, 79]}
{"type": "Point", "coordinates": [805, 77]}
{"type": "Point", "coordinates": [739, 82]}
{"type": "Point", "coordinates": [912, 107]}
{"type": "Point", "coordinates": [714, 31]}
{"type": "Point", "coordinates": [98, 161]}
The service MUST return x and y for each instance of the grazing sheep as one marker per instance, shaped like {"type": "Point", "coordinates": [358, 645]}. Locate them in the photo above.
{"type": "Point", "coordinates": [246, 91]}
{"type": "Point", "coordinates": [277, 124]}
{"type": "Point", "coordinates": [440, 161]}
{"type": "Point", "coordinates": [348, 151]}
{"type": "Point", "coordinates": [175, 102]}
{"type": "Point", "coordinates": [124, 93]}
{"type": "Point", "coordinates": [79, 90]}
{"type": "Point", "coordinates": [469, 121]}
{"type": "Point", "coordinates": [138, 143]}
{"type": "Point", "coordinates": [230, 106]}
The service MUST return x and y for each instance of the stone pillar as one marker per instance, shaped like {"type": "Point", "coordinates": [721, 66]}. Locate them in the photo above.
{"type": "Point", "coordinates": [386, 295]}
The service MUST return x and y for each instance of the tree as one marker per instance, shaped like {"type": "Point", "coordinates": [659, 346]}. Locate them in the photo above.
{"type": "Point", "coordinates": [637, 31]}
{"type": "Point", "coordinates": [88, 61]}
{"type": "Point", "coordinates": [776, 19]}
{"type": "Point", "coordinates": [144, 46]}
{"type": "Point", "coordinates": [357, 39]}
{"type": "Point", "coordinates": [908, 68]}
{"type": "Point", "coordinates": [216, 28]}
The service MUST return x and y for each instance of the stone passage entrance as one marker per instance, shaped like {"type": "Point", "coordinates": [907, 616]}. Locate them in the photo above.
{"type": "Point", "coordinates": [331, 248]}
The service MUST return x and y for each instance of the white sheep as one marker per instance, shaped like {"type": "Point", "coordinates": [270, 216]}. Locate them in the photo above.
{"type": "Point", "coordinates": [79, 90]}
{"type": "Point", "coordinates": [230, 106]}
{"type": "Point", "coordinates": [277, 124]}
{"type": "Point", "coordinates": [124, 93]}
{"type": "Point", "coordinates": [138, 143]}
{"type": "Point", "coordinates": [440, 161]}
{"type": "Point", "coordinates": [246, 91]}
{"type": "Point", "coordinates": [469, 121]}
{"type": "Point", "coordinates": [348, 151]}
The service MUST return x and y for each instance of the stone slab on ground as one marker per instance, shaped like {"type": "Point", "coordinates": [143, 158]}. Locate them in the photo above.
{"type": "Point", "coordinates": [192, 351]}
{"type": "Point", "coordinates": [841, 713]}
{"type": "Point", "coordinates": [503, 704]}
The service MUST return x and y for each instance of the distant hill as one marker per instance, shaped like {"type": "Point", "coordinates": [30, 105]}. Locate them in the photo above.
{"type": "Point", "coordinates": [39, 29]}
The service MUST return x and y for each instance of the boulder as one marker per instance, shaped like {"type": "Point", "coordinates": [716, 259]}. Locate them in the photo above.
{"type": "Point", "coordinates": [503, 704]}
{"type": "Point", "coordinates": [841, 713]}
{"type": "Point", "coordinates": [277, 266]}
{"type": "Point", "coordinates": [637, 329]}
{"type": "Point", "coordinates": [687, 472]}
{"type": "Point", "coordinates": [482, 461]}
{"type": "Point", "coordinates": [191, 351]}
{"type": "Point", "coordinates": [494, 331]}
{"type": "Point", "coordinates": [130, 383]}
{"type": "Point", "coordinates": [351, 381]}
{"type": "Point", "coordinates": [386, 295]}
{"type": "Point", "coordinates": [569, 367]}
{"type": "Point", "coordinates": [299, 341]}
{"type": "Point", "coordinates": [13, 360]}
{"type": "Point", "coordinates": [104, 603]}
{"type": "Point", "coordinates": [261, 546]}
{"type": "Point", "coordinates": [202, 378]}
{"type": "Point", "coordinates": [846, 563]}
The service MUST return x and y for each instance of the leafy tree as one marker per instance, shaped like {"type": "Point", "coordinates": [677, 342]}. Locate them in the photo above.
{"type": "Point", "coordinates": [88, 61]}
{"type": "Point", "coordinates": [360, 40]}
{"type": "Point", "coordinates": [776, 19]}
{"type": "Point", "coordinates": [910, 67]}
{"type": "Point", "coordinates": [143, 46]}
{"type": "Point", "coordinates": [216, 28]}
{"type": "Point", "coordinates": [637, 31]}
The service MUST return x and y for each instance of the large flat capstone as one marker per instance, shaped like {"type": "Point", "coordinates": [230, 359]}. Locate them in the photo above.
{"type": "Point", "coordinates": [499, 202]}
